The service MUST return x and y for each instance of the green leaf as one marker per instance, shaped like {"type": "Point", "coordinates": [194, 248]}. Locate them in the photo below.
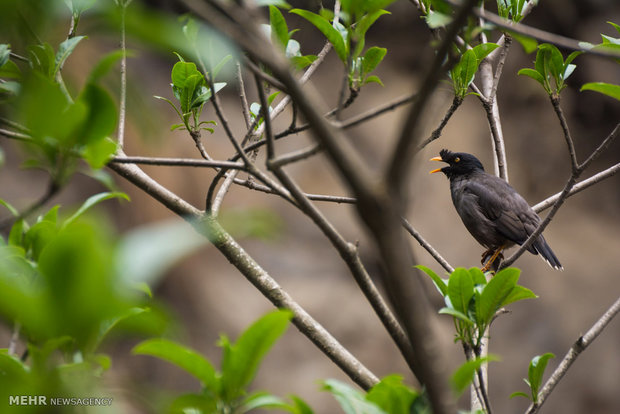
{"type": "Point", "coordinates": [536, 371]}
{"type": "Point", "coordinates": [5, 54]}
{"type": "Point", "coordinates": [570, 59]}
{"type": "Point", "coordinates": [279, 29]}
{"type": "Point", "coordinates": [108, 325]}
{"type": "Point", "coordinates": [496, 292]}
{"type": "Point", "coordinates": [519, 394]}
{"type": "Point", "coordinates": [51, 215]}
{"type": "Point", "coordinates": [482, 50]}
{"type": "Point", "coordinates": [300, 406]}
{"type": "Point", "coordinates": [518, 293]}
{"type": "Point", "coordinates": [373, 79]}
{"type": "Point", "coordinates": [529, 44]}
{"type": "Point", "coordinates": [362, 26]}
{"type": "Point", "coordinates": [183, 357]}
{"type": "Point", "coordinates": [457, 314]}
{"type": "Point", "coordinates": [16, 235]}
{"type": "Point", "coordinates": [464, 375]}
{"type": "Point", "coordinates": [469, 63]}
{"type": "Point", "coordinates": [372, 58]}
{"type": "Point", "coordinates": [392, 396]}
{"type": "Point", "coordinates": [10, 70]}
{"type": "Point", "coordinates": [556, 62]}
{"type": "Point", "coordinates": [435, 20]}
{"type": "Point", "coordinates": [193, 404]}
{"type": "Point", "coordinates": [351, 400]}
{"type": "Point", "coordinates": [190, 29]}
{"type": "Point", "coordinates": [145, 253]}
{"type": "Point", "coordinates": [38, 237]}
{"type": "Point", "coordinates": [92, 201]}
{"type": "Point", "coordinates": [78, 6]}
{"type": "Point", "coordinates": [9, 207]}
{"type": "Point", "coordinates": [64, 51]}
{"type": "Point", "coordinates": [192, 84]}
{"type": "Point", "coordinates": [477, 276]}
{"type": "Point", "coordinates": [532, 74]}
{"type": "Point", "coordinates": [439, 282]}
{"type": "Point", "coordinates": [242, 359]}
{"type": "Point", "coordinates": [460, 289]}
{"type": "Point", "coordinates": [171, 104]}
{"type": "Point", "coordinates": [332, 34]}
{"type": "Point", "coordinates": [280, 3]}
{"type": "Point", "coordinates": [101, 115]}
{"type": "Point", "coordinates": [42, 59]}
{"type": "Point", "coordinates": [302, 62]}
{"type": "Point", "coordinates": [220, 66]}
{"type": "Point", "coordinates": [99, 153]}
{"type": "Point", "coordinates": [181, 72]}
{"type": "Point", "coordinates": [264, 400]}
{"type": "Point", "coordinates": [104, 65]}
{"type": "Point", "coordinates": [203, 94]}
{"type": "Point", "coordinates": [604, 88]}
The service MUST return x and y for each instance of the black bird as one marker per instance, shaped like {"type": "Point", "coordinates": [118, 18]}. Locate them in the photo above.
{"type": "Point", "coordinates": [493, 212]}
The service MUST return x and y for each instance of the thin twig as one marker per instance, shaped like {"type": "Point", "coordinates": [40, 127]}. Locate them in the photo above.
{"type": "Point", "coordinates": [456, 102]}
{"type": "Point", "coordinates": [15, 135]}
{"type": "Point", "coordinates": [123, 72]}
{"type": "Point", "coordinates": [427, 246]}
{"type": "Point", "coordinates": [14, 338]}
{"type": "Point", "coordinates": [179, 162]}
{"type": "Point", "coordinates": [568, 187]}
{"type": "Point", "coordinates": [578, 187]}
{"type": "Point", "coordinates": [245, 107]}
{"type": "Point", "coordinates": [295, 156]}
{"type": "Point", "coordinates": [578, 347]}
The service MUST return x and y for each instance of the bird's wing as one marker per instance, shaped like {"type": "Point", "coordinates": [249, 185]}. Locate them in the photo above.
{"type": "Point", "coordinates": [504, 207]}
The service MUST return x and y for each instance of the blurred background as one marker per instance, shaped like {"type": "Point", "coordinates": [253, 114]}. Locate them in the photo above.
{"type": "Point", "coordinates": [208, 296]}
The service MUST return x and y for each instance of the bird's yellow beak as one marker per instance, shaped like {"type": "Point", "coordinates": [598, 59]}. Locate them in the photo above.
{"type": "Point", "coordinates": [438, 169]}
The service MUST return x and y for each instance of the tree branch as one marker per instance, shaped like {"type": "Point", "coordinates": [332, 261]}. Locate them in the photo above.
{"type": "Point", "coordinates": [238, 257]}
{"type": "Point", "coordinates": [578, 347]}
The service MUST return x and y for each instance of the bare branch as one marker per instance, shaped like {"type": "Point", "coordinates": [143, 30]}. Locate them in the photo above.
{"type": "Point", "coordinates": [430, 249]}
{"type": "Point", "coordinates": [120, 136]}
{"type": "Point", "coordinates": [578, 187]}
{"type": "Point", "coordinates": [179, 162]}
{"type": "Point", "coordinates": [456, 102]}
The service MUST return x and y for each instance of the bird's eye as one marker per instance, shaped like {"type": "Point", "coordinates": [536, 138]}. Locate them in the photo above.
{"type": "Point", "coordinates": [457, 159]}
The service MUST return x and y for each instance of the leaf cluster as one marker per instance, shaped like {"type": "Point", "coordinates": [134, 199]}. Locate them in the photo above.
{"type": "Point", "coordinates": [225, 390]}
{"type": "Point", "coordinates": [463, 73]}
{"type": "Point", "coordinates": [192, 92]}
{"type": "Point", "coordinates": [62, 129]}
{"type": "Point", "coordinates": [512, 9]}
{"type": "Point", "coordinates": [347, 35]}
{"type": "Point", "coordinates": [277, 30]}
{"type": "Point", "coordinates": [550, 68]}
{"type": "Point", "coordinates": [473, 301]}
{"type": "Point", "coordinates": [58, 284]}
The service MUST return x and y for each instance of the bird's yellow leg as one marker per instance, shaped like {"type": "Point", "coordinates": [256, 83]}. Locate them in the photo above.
{"type": "Point", "coordinates": [489, 263]}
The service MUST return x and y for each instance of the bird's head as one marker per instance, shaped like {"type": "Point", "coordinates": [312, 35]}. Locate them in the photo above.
{"type": "Point", "coordinates": [459, 163]}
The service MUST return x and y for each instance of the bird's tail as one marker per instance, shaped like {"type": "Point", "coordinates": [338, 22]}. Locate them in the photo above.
{"type": "Point", "coordinates": [541, 246]}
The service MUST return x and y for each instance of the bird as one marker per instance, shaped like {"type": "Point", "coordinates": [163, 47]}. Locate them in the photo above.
{"type": "Point", "coordinates": [492, 211]}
